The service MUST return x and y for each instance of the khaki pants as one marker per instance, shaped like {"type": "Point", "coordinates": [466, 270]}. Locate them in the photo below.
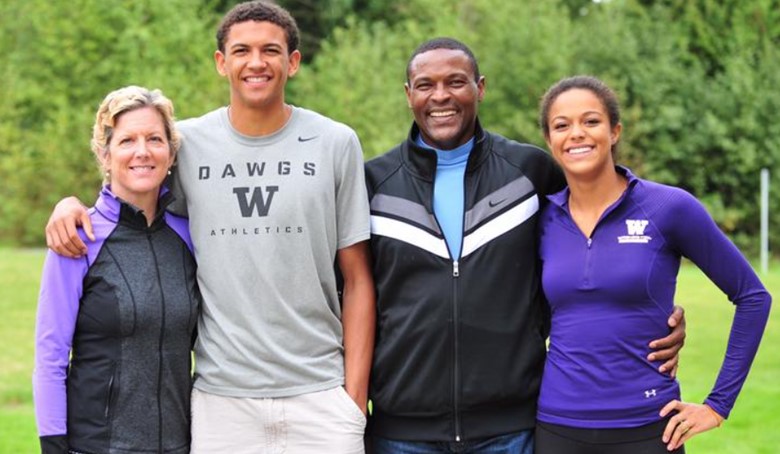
{"type": "Point", "coordinates": [316, 423]}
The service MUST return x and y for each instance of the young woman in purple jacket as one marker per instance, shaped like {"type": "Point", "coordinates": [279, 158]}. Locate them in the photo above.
{"type": "Point", "coordinates": [611, 245]}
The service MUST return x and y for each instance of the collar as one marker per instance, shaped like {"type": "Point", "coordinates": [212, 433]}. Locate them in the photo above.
{"type": "Point", "coordinates": [457, 155]}
{"type": "Point", "coordinates": [117, 210]}
{"type": "Point", "coordinates": [561, 198]}
{"type": "Point", "coordinates": [423, 163]}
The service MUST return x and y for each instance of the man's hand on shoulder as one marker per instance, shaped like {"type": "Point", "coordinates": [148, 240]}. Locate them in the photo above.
{"type": "Point", "coordinates": [61, 231]}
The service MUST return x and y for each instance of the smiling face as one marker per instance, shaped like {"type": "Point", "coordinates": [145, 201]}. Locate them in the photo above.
{"type": "Point", "coordinates": [444, 97]}
{"type": "Point", "coordinates": [138, 156]}
{"type": "Point", "coordinates": [580, 136]}
{"type": "Point", "coordinates": [257, 64]}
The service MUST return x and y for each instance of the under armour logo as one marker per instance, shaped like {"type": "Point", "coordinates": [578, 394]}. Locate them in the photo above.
{"type": "Point", "coordinates": [650, 392]}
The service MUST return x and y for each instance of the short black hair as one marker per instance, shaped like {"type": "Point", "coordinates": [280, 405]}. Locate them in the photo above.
{"type": "Point", "coordinates": [443, 43]}
{"type": "Point", "coordinates": [259, 11]}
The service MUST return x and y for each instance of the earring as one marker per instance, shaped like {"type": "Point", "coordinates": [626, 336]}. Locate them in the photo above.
{"type": "Point", "coordinates": [169, 171]}
{"type": "Point", "coordinates": [108, 173]}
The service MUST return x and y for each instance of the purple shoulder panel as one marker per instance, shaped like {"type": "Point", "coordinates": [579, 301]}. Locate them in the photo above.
{"type": "Point", "coordinates": [181, 226]}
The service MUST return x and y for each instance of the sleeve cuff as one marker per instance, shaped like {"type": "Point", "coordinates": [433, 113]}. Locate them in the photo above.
{"type": "Point", "coordinates": [54, 444]}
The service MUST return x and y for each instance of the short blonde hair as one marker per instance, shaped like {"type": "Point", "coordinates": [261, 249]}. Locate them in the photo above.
{"type": "Point", "coordinates": [125, 100]}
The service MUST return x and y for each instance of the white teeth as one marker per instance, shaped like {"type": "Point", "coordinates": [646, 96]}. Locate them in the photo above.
{"type": "Point", "coordinates": [256, 79]}
{"type": "Point", "coordinates": [445, 113]}
{"type": "Point", "coordinates": [579, 150]}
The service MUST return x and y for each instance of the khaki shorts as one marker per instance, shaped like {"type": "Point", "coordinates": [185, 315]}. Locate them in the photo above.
{"type": "Point", "coordinates": [321, 422]}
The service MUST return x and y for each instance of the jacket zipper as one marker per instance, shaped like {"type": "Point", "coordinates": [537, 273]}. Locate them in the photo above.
{"type": "Point", "coordinates": [455, 318]}
{"type": "Point", "coordinates": [456, 367]}
{"type": "Point", "coordinates": [455, 349]}
{"type": "Point", "coordinates": [159, 347]}
{"type": "Point", "coordinates": [110, 390]}
{"type": "Point", "coordinates": [455, 275]}
{"type": "Point", "coordinates": [589, 239]}
{"type": "Point", "coordinates": [588, 251]}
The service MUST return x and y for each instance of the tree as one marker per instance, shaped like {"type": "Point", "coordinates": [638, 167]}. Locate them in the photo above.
{"type": "Point", "coordinates": [62, 59]}
{"type": "Point", "coordinates": [698, 104]}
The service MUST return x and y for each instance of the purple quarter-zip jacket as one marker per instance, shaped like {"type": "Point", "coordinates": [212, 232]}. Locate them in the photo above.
{"type": "Point", "coordinates": [612, 293]}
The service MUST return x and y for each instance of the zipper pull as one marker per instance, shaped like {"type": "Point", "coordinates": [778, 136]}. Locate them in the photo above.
{"type": "Point", "coordinates": [455, 270]}
{"type": "Point", "coordinates": [590, 241]}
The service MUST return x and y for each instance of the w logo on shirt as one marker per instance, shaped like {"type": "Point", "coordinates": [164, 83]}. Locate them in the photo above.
{"type": "Point", "coordinates": [258, 202]}
{"type": "Point", "coordinates": [636, 226]}
{"type": "Point", "coordinates": [636, 232]}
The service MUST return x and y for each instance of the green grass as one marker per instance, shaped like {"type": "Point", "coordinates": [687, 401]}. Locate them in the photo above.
{"type": "Point", "coordinates": [749, 430]}
{"type": "Point", "coordinates": [709, 315]}
{"type": "Point", "coordinates": [20, 271]}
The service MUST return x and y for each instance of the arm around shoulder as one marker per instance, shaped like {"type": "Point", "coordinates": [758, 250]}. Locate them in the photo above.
{"type": "Point", "coordinates": [61, 230]}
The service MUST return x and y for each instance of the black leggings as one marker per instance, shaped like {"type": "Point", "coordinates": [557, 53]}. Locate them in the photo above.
{"type": "Point", "coordinates": [555, 439]}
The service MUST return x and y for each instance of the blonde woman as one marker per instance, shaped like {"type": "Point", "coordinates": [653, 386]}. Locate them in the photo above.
{"type": "Point", "coordinates": [115, 328]}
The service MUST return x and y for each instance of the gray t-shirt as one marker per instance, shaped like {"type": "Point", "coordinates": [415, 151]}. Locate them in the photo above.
{"type": "Point", "coordinates": [267, 215]}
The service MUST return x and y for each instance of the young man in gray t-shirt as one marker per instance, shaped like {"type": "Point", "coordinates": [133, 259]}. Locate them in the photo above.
{"type": "Point", "coordinates": [275, 194]}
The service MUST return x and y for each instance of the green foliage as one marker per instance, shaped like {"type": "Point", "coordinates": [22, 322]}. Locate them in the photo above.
{"type": "Point", "coordinates": [318, 18]}
{"type": "Point", "coordinates": [358, 75]}
{"type": "Point", "coordinates": [697, 79]}
{"type": "Point", "coordinates": [696, 102]}
{"type": "Point", "coordinates": [62, 59]}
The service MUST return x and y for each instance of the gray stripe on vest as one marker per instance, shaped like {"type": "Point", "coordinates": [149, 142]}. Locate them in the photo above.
{"type": "Point", "coordinates": [497, 201]}
{"type": "Point", "coordinates": [404, 209]}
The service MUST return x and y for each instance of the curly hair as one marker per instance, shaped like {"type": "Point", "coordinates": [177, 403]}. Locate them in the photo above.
{"type": "Point", "coordinates": [124, 100]}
